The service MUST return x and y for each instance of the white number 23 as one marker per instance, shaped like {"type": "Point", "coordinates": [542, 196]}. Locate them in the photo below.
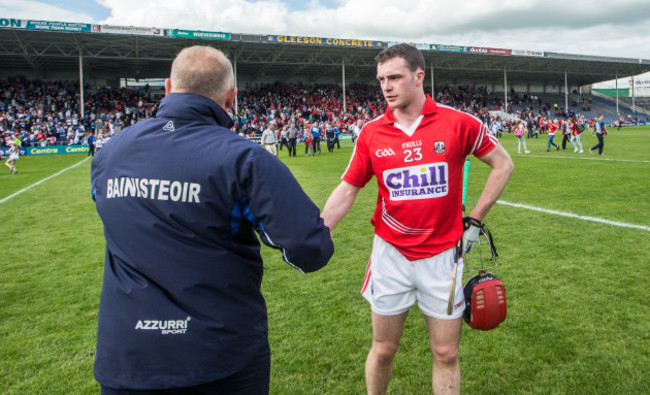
{"type": "Point", "coordinates": [412, 155]}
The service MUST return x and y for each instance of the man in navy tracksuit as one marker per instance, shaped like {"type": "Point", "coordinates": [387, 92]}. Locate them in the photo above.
{"type": "Point", "coordinates": [316, 132]}
{"type": "Point", "coordinates": [182, 198]}
{"type": "Point", "coordinates": [91, 145]}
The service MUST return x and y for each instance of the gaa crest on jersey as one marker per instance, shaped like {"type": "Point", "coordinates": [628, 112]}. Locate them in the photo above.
{"type": "Point", "coordinates": [382, 152]}
{"type": "Point", "coordinates": [439, 147]}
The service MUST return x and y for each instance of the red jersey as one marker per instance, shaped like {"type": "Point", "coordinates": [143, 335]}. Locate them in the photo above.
{"type": "Point", "coordinates": [552, 128]}
{"type": "Point", "coordinates": [419, 172]}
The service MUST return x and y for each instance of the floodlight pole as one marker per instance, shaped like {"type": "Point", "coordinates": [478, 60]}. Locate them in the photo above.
{"type": "Point", "coordinates": [566, 93]}
{"type": "Point", "coordinates": [433, 89]}
{"type": "Point", "coordinates": [633, 103]}
{"type": "Point", "coordinates": [505, 88]}
{"type": "Point", "coordinates": [81, 86]}
{"type": "Point", "coordinates": [235, 75]}
{"type": "Point", "coordinates": [343, 82]}
{"type": "Point", "coordinates": [617, 113]}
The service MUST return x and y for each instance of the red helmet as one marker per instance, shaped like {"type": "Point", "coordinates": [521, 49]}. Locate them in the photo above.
{"type": "Point", "coordinates": [485, 301]}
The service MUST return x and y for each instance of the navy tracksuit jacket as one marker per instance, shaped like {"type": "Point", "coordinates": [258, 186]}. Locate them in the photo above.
{"type": "Point", "coordinates": [182, 199]}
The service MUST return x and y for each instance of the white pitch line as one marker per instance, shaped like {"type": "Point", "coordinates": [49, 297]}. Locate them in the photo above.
{"type": "Point", "coordinates": [550, 156]}
{"type": "Point", "coordinates": [570, 215]}
{"type": "Point", "coordinates": [41, 181]}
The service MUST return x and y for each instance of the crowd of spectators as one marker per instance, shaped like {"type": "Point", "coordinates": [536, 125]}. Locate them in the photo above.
{"type": "Point", "coordinates": [475, 101]}
{"type": "Point", "coordinates": [299, 104]}
{"type": "Point", "coordinates": [43, 113]}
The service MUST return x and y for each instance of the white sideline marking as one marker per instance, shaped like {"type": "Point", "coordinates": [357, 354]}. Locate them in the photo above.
{"type": "Point", "coordinates": [595, 157]}
{"type": "Point", "coordinates": [41, 181]}
{"type": "Point", "coordinates": [570, 215]}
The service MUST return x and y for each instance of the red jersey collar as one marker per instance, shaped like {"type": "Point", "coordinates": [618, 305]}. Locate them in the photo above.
{"type": "Point", "coordinates": [429, 108]}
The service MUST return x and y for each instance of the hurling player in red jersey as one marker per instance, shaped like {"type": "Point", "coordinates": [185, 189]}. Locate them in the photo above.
{"type": "Point", "coordinates": [416, 150]}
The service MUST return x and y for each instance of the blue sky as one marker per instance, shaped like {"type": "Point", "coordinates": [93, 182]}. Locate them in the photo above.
{"type": "Point", "coordinates": [589, 27]}
{"type": "Point", "coordinates": [89, 7]}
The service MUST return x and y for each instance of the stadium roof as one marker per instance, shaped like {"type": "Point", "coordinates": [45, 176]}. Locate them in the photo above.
{"type": "Point", "coordinates": [128, 52]}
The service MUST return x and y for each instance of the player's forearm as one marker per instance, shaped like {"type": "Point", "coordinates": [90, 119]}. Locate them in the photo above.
{"type": "Point", "coordinates": [502, 168]}
{"type": "Point", "coordinates": [338, 204]}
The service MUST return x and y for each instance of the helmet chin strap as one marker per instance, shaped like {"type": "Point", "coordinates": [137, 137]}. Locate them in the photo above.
{"type": "Point", "coordinates": [485, 237]}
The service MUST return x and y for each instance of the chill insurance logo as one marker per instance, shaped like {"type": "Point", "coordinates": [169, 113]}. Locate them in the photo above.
{"type": "Point", "coordinates": [417, 182]}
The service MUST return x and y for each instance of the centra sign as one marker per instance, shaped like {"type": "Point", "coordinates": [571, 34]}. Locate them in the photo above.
{"type": "Point", "coordinates": [57, 149]}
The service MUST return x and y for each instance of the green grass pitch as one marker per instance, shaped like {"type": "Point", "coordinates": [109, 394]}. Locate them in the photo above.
{"type": "Point", "coordinates": [577, 290]}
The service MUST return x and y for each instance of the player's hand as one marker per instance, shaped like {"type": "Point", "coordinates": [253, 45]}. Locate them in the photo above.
{"type": "Point", "coordinates": [472, 228]}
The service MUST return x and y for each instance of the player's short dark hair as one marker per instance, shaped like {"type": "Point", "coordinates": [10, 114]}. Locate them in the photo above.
{"type": "Point", "coordinates": [412, 55]}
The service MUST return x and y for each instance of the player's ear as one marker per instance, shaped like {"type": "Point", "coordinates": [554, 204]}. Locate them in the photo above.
{"type": "Point", "coordinates": [419, 75]}
{"type": "Point", "coordinates": [168, 86]}
{"type": "Point", "coordinates": [230, 97]}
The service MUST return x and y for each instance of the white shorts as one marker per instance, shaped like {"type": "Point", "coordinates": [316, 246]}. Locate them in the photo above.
{"type": "Point", "coordinates": [393, 283]}
{"type": "Point", "coordinates": [13, 157]}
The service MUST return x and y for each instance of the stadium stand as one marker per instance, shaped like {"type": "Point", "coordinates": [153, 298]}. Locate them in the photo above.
{"type": "Point", "coordinates": [48, 113]}
{"type": "Point", "coordinates": [104, 54]}
{"type": "Point", "coordinates": [283, 103]}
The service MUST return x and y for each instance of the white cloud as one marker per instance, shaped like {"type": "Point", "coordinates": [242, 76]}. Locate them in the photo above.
{"type": "Point", "coordinates": [593, 27]}
{"type": "Point", "coordinates": [236, 16]}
